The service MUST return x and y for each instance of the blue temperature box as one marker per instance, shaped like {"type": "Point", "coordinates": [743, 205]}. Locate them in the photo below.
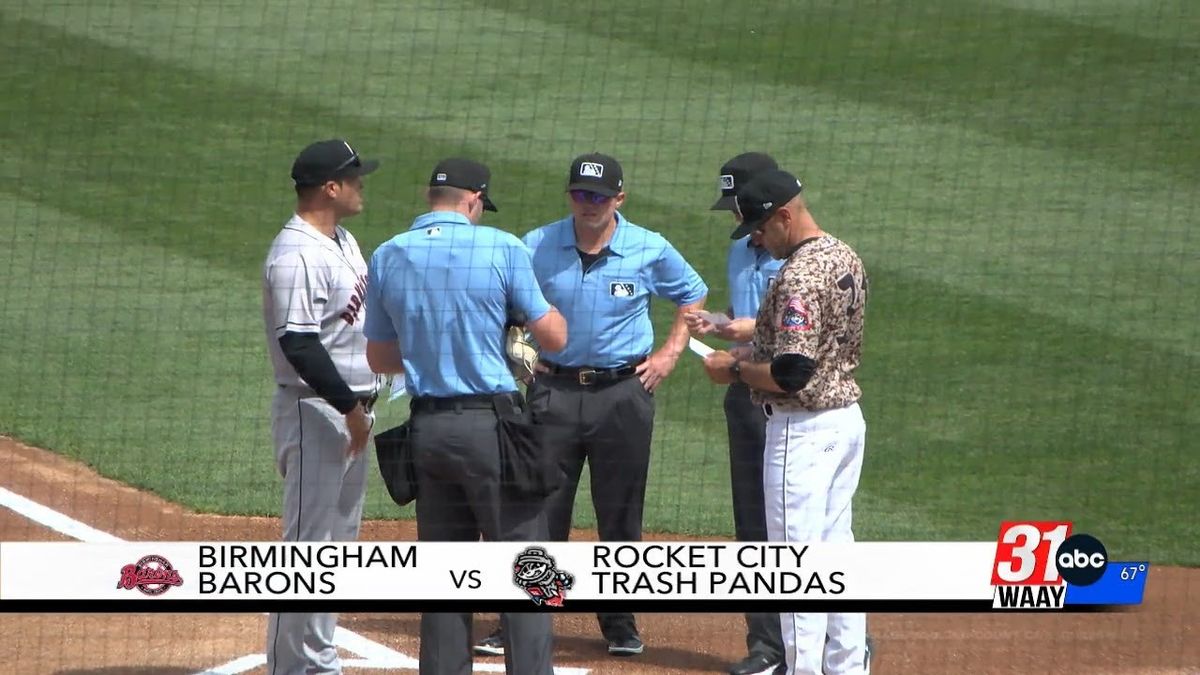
{"type": "Point", "coordinates": [1123, 583]}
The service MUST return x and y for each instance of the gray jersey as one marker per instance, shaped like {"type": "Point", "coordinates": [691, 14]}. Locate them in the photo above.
{"type": "Point", "coordinates": [314, 284]}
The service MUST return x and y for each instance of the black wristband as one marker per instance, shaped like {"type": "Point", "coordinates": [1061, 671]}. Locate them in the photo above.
{"type": "Point", "coordinates": [312, 363]}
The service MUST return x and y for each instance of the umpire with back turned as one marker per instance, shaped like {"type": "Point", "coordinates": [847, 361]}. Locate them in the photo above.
{"type": "Point", "coordinates": [595, 396]}
{"type": "Point", "coordinates": [438, 298]}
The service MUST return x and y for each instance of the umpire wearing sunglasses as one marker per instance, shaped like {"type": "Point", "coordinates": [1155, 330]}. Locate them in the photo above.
{"type": "Point", "coordinates": [596, 395]}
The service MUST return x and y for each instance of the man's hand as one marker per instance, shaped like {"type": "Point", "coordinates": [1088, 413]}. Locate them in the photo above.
{"type": "Point", "coordinates": [717, 366]}
{"type": "Point", "coordinates": [737, 330]}
{"type": "Point", "coordinates": [655, 369]}
{"type": "Point", "coordinates": [359, 424]}
{"type": "Point", "coordinates": [742, 352]}
{"type": "Point", "coordinates": [697, 325]}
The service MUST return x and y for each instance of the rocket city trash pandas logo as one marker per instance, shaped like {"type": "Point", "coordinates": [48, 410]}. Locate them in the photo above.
{"type": "Point", "coordinates": [795, 316]}
{"type": "Point", "coordinates": [534, 571]}
{"type": "Point", "coordinates": [152, 575]}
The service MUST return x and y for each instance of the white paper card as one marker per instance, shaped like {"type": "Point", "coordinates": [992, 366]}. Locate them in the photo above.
{"type": "Point", "coordinates": [702, 350]}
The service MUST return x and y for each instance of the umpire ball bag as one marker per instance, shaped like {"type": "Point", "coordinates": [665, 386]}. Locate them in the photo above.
{"type": "Point", "coordinates": [393, 449]}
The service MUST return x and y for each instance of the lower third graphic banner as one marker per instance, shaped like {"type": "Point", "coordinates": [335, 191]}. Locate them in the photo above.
{"type": "Point", "coordinates": [500, 576]}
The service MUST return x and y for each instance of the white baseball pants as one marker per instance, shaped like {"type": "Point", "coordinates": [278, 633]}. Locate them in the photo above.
{"type": "Point", "coordinates": [811, 466]}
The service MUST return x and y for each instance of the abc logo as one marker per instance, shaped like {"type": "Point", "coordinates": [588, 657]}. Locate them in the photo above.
{"type": "Point", "coordinates": [1081, 560]}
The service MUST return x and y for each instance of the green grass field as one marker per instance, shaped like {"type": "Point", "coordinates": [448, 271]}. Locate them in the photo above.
{"type": "Point", "coordinates": [1018, 175]}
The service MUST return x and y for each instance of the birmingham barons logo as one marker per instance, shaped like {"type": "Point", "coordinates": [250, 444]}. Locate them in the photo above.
{"type": "Point", "coordinates": [152, 575]}
{"type": "Point", "coordinates": [534, 571]}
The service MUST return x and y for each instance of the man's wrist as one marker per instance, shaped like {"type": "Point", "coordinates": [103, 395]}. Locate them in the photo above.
{"type": "Point", "coordinates": [735, 369]}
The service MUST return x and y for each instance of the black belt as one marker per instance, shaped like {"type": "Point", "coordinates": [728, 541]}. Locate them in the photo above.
{"type": "Point", "coordinates": [459, 403]}
{"type": "Point", "coordinates": [368, 402]}
{"type": "Point", "coordinates": [588, 376]}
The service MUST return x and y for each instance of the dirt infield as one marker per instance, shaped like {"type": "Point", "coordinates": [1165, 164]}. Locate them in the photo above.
{"type": "Point", "coordinates": [1162, 636]}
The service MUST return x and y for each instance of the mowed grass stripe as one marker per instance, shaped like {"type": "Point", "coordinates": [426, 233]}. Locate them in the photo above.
{"type": "Point", "coordinates": [1022, 76]}
{"type": "Point", "coordinates": [1073, 239]}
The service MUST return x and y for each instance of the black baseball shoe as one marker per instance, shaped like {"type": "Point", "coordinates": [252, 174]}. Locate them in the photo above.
{"type": "Point", "coordinates": [756, 664]}
{"type": "Point", "coordinates": [492, 645]}
{"type": "Point", "coordinates": [626, 646]}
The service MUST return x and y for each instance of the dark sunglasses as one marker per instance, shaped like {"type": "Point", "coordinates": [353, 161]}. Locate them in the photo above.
{"type": "Point", "coordinates": [586, 196]}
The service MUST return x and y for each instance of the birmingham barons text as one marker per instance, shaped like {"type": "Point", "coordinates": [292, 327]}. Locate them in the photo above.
{"type": "Point", "coordinates": [330, 556]}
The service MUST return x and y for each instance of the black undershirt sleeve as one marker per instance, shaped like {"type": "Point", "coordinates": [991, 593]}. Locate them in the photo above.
{"type": "Point", "coordinates": [311, 361]}
{"type": "Point", "coordinates": [792, 371]}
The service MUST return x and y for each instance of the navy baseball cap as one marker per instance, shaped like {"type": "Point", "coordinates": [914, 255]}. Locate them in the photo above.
{"type": "Point", "coordinates": [464, 174]}
{"type": "Point", "coordinates": [597, 173]}
{"type": "Point", "coordinates": [737, 172]}
{"type": "Point", "coordinates": [329, 160]}
{"type": "Point", "coordinates": [759, 199]}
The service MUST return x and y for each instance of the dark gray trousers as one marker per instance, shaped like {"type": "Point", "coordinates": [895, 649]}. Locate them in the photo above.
{"type": "Point", "coordinates": [457, 459]}
{"type": "Point", "coordinates": [610, 427]}
{"type": "Point", "coordinates": [747, 425]}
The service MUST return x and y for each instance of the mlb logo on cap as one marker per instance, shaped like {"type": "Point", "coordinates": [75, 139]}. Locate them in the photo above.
{"type": "Point", "coordinates": [727, 182]}
{"type": "Point", "coordinates": [441, 178]}
{"type": "Point", "coordinates": [596, 173]}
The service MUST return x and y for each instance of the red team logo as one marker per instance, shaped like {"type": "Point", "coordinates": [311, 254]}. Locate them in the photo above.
{"type": "Point", "coordinates": [152, 575]}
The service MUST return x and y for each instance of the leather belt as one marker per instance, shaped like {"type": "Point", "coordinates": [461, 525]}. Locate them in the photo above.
{"type": "Point", "coordinates": [588, 376]}
{"type": "Point", "coordinates": [427, 404]}
{"type": "Point", "coordinates": [369, 401]}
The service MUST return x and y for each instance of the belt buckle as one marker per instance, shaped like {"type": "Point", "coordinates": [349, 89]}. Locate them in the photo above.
{"type": "Point", "coordinates": [587, 376]}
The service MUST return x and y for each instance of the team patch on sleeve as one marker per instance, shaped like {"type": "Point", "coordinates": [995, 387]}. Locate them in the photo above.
{"type": "Point", "coordinates": [795, 315]}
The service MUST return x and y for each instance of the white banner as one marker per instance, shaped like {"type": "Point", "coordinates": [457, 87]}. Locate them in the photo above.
{"type": "Point", "coordinates": [550, 573]}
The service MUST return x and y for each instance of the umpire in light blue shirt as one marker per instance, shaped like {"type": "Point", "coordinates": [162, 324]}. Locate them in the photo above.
{"type": "Point", "coordinates": [596, 394]}
{"type": "Point", "coordinates": [438, 298]}
{"type": "Point", "coordinates": [751, 269]}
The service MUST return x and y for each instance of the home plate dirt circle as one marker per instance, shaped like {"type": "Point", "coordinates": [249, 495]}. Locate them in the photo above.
{"type": "Point", "coordinates": [1162, 636]}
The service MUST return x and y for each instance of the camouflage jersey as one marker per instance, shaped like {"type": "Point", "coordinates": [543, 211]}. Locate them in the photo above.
{"type": "Point", "coordinates": [815, 308]}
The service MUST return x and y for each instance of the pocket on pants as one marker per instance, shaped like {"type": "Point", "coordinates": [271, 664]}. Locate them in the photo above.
{"type": "Point", "coordinates": [322, 425]}
{"type": "Point", "coordinates": [538, 401]}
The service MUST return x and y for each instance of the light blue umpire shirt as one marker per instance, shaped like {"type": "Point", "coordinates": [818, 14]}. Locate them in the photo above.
{"type": "Point", "coordinates": [608, 308]}
{"type": "Point", "coordinates": [444, 290]}
{"type": "Point", "coordinates": [751, 269]}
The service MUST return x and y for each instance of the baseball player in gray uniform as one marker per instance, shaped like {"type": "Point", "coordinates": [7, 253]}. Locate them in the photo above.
{"type": "Point", "coordinates": [314, 283]}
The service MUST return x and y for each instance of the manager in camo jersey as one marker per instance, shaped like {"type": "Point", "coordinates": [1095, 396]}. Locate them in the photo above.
{"type": "Point", "coordinates": [314, 280]}
{"type": "Point", "coordinates": [807, 345]}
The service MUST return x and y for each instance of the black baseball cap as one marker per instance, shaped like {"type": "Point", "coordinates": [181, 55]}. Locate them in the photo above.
{"type": "Point", "coordinates": [465, 174]}
{"type": "Point", "coordinates": [329, 160]}
{"type": "Point", "coordinates": [597, 173]}
{"type": "Point", "coordinates": [737, 172]}
{"type": "Point", "coordinates": [757, 200]}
